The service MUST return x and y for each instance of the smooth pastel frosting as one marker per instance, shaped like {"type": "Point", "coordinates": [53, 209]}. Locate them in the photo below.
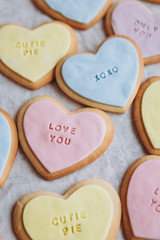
{"type": "Point", "coordinates": [143, 200]}
{"type": "Point", "coordinates": [60, 140]}
{"type": "Point", "coordinates": [5, 142]}
{"type": "Point", "coordinates": [150, 109]}
{"type": "Point", "coordinates": [82, 11]}
{"type": "Point", "coordinates": [132, 19]}
{"type": "Point", "coordinates": [87, 214]}
{"type": "Point", "coordinates": [108, 77]}
{"type": "Point", "coordinates": [33, 53]}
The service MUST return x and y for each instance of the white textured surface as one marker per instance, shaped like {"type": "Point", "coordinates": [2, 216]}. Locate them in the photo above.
{"type": "Point", "coordinates": [124, 150]}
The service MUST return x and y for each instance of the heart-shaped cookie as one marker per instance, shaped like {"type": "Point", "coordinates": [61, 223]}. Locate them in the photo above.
{"type": "Point", "coordinates": [58, 142]}
{"type": "Point", "coordinates": [108, 80]}
{"type": "Point", "coordinates": [8, 145]}
{"type": "Point", "coordinates": [140, 197]}
{"type": "Point", "coordinates": [30, 56]}
{"type": "Point", "coordinates": [132, 19]}
{"type": "Point", "coordinates": [79, 14]}
{"type": "Point", "coordinates": [153, 1]}
{"type": "Point", "coordinates": [147, 114]}
{"type": "Point", "coordinates": [90, 210]}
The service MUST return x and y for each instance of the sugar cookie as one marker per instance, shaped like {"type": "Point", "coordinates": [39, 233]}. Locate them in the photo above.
{"type": "Point", "coordinates": [29, 57]}
{"type": "Point", "coordinates": [90, 210]}
{"type": "Point", "coordinates": [58, 142]}
{"type": "Point", "coordinates": [140, 197]}
{"type": "Point", "coordinates": [134, 20]}
{"type": "Point", "coordinates": [8, 145]}
{"type": "Point", "coordinates": [108, 79]}
{"type": "Point", "coordinates": [147, 114]}
{"type": "Point", "coordinates": [81, 14]}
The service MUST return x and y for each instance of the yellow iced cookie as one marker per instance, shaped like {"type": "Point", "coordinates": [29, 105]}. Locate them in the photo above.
{"type": "Point", "coordinates": [151, 113]}
{"type": "Point", "coordinates": [147, 114]}
{"type": "Point", "coordinates": [32, 54]}
{"type": "Point", "coordinates": [90, 210]}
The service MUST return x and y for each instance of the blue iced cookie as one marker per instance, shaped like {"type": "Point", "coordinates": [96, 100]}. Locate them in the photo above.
{"type": "Point", "coordinates": [8, 145]}
{"type": "Point", "coordinates": [108, 79]}
{"type": "Point", "coordinates": [80, 14]}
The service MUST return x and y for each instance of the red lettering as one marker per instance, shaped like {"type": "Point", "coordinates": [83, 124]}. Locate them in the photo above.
{"type": "Point", "coordinates": [59, 140]}
{"type": "Point", "coordinates": [52, 137]}
{"type": "Point", "coordinates": [58, 128]}
{"type": "Point", "coordinates": [73, 131]}
{"type": "Point", "coordinates": [65, 128]}
{"type": "Point", "coordinates": [156, 191]}
{"type": "Point", "coordinates": [153, 202]}
{"type": "Point", "coordinates": [158, 208]}
{"type": "Point", "coordinates": [50, 126]}
{"type": "Point", "coordinates": [67, 141]}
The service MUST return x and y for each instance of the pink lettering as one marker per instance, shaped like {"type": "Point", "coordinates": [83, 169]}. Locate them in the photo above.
{"type": "Point", "coordinates": [155, 28]}
{"type": "Point", "coordinates": [137, 22]}
{"type": "Point", "coordinates": [142, 33]}
{"type": "Point", "coordinates": [148, 27]}
{"type": "Point", "coordinates": [144, 29]}
{"type": "Point", "coordinates": [143, 24]}
{"type": "Point", "coordinates": [135, 30]}
{"type": "Point", "coordinates": [148, 35]}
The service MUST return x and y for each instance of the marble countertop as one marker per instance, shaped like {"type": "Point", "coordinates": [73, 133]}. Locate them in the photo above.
{"type": "Point", "coordinates": [111, 166]}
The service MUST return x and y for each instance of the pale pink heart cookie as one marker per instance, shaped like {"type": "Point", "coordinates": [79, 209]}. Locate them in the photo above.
{"type": "Point", "coordinates": [134, 20]}
{"type": "Point", "coordinates": [141, 199]}
{"type": "Point", "coordinates": [58, 142]}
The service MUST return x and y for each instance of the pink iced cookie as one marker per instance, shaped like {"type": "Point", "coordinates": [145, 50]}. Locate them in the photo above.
{"type": "Point", "coordinates": [141, 199]}
{"type": "Point", "coordinates": [134, 20]}
{"type": "Point", "coordinates": [58, 142]}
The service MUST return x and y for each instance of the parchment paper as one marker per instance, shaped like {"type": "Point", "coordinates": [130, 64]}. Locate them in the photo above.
{"type": "Point", "coordinates": [111, 166]}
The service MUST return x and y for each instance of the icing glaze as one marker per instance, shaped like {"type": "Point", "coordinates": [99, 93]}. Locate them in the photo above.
{"type": "Point", "coordinates": [5, 142]}
{"type": "Point", "coordinates": [143, 200]}
{"type": "Point", "coordinates": [59, 140]}
{"type": "Point", "coordinates": [151, 113]}
{"type": "Point", "coordinates": [108, 77]}
{"type": "Point", "coordinates": [87, 214]}
{"type": "Point", "coordinates": [132, 19]}
{"type": "Point", "coordinates": [33, 53]}
{"type": "Point", "coordinates": [80, 11]}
